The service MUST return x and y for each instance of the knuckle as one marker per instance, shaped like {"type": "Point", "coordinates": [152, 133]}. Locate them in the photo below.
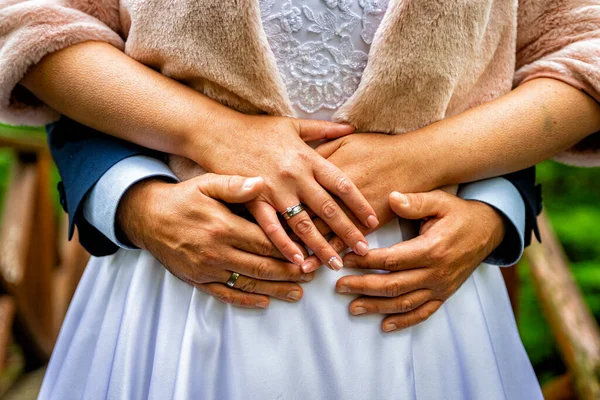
{"type": "Point", "coordinates": [405, 305]}
{"type": "Point", "coordinates": [439, 249]}
{"type": "Point", "coordinates": [343, 184]}
{"type": "Point", "coordinates": [304, 226]}
{"type": "Point", "coordinates": [225, 298]}
{"type": "Point", "coordinates": [248, 286]}
{"type": "Point", "coordinates": [263, 271]}
{"type": "Point", "coordinates": [337, 244]}
{"type": "Point", "coordinates": [392, 289]}
{"type": "Point", "coordinates": [391, 263]}
{"type": "Point", "coordinates": [271, 228]}
{"type": "Point", "coordinates": [423, 315]}
{"type": "Point", "coordinates": [329, 209]}
{"type": "Point", "coordinates": [265, 247]}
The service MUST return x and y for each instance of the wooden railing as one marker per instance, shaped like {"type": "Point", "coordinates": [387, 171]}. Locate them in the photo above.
{"type": "Point", "coordinates": [573, 325]}
{"type": "Point", "coordinates": [40, 269]}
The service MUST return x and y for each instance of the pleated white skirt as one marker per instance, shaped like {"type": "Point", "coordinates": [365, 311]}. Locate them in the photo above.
{"type": "Point", "coordinates": [134, 331]}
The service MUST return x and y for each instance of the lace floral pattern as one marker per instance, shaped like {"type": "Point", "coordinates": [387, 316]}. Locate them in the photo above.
{"type": "Point", "coordinates": [317, 44]}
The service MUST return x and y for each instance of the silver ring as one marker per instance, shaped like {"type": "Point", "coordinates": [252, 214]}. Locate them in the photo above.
{"type": "Point", "coordinates": [293, 210]}
{"type": "Point", "coordinates": [232, 279]}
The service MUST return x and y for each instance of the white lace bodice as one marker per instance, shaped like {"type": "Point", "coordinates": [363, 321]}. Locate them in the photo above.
{"type": "Point", "coordinates": [321, 47]}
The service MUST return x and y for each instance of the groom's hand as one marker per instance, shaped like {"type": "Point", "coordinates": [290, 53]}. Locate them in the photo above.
{"type": "Point", "coordinates": [425, 271]}
{"type": "Point", "coordinates": [200, 241]}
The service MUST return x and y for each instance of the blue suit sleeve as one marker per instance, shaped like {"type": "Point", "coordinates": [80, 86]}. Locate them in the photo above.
{"type": "Point", "coordinates": [83, 155]}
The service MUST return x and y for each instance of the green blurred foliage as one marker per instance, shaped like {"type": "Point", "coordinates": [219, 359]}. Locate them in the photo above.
{"type": "Point", "coordinates": [572, 201]}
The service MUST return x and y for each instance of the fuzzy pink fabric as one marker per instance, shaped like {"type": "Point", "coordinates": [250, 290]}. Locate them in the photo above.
{"type": "Point", "coordinates": [430, 59]}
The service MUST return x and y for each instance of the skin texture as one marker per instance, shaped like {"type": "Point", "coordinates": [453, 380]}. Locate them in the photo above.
{"type": "Point", "coordinates": [149, 109]}
{"type": "Point", "coordinates": [178, 219]}
{"type": "Point", "coordinates": [425, 271]}
{"type": "Point", "coordinates": [544, 116]}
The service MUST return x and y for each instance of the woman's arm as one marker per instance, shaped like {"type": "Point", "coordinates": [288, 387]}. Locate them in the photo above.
{"type": "Point", "coordinates": [101, 87]}
{"type": "Point", "coordinates": [534, 122]}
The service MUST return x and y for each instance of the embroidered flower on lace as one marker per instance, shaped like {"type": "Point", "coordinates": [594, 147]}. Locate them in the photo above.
{"type": "Point", "coordinates": [324, 72]}
{"type": "Point", "coordinates": [373, 12]}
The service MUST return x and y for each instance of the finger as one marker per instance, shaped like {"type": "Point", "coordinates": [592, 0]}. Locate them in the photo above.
{"type": "Point", "coordinates": [330, 212]}
{"type": "Point", "coordinates": [411, 318]}
{"type": "Point", "coordinates": [252, 239]}
{"type": "Point", "coordinates": [303, 226]}
{"type": "Point", "coordinates": [234, 297]}
{"type": "Point", "coordinates": [267, 218]}
{"type": "Point", "coordinates": [263, 268]}
{"type": "Point", "coordinates": [336, 182]}
{"type": "Point", "coordinates": [385, 285]}
{"type": "Point", "coordinates": [419, 205]}
{"type": "Point", "coordinates": [413, 253]}
{"type": "Point", "coordinates": [382, 305]}
{"type": "Point", "coordinates": [302, 249]}
{"type": "Point", "coordinates": [310, 130]}
{"type": "Point", "coordinates": [322, 227]}
{"type": "Point", "coordinates": [326, 149]}
{"type": "Point", "coordinates": [285, 291]}
{"type": "Point", "coordinates": [312, 263]}
{"type": "Point", "coordinates": [231, 189]}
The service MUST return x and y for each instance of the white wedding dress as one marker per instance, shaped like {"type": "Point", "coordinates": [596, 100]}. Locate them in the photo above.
{"type": "Point", "coordinates": [134, 331]}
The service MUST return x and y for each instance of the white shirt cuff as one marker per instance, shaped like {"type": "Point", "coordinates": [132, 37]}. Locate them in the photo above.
{"type": "Point", "coordinates": [100, 204]}
{"type": "Point", "coordinates": [506, 199]}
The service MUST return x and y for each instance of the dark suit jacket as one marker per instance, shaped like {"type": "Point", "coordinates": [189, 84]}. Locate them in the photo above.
{"type": "Point", "coordinates": [83, 155]}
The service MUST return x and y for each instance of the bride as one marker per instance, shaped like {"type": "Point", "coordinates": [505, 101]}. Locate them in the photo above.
{"type": "Point", "coordinates": [440, 73]}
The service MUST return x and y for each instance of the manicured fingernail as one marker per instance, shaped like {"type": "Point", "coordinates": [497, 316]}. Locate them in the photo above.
{"type": "Point", "coordinates": [307, 267]}
{"type": "Point", "coordinates": [298, 259]}
{"type": "Point", "coordinates": [358, 310]}
{"type": "Point", "coordinates": [250, 182]}
{"type": "Point", "coordinates": [400, 197]}
{"type": "Point", "coordinates": [361, 248]}
{"type": "Point", "coordinates": [262, 304]}
{"type": "Point", "coordinates": [390, 327]}
{"type": "Point", "coordinates": [306, 278]}
{"type": "Point", "coordinates": [335, 263]}
{"type": "Point", "coordinates": [372, 221]}
{"type": "Point", "coordinates": [343, 289]}
{"type": "Point", "coordinates": [294, 295]}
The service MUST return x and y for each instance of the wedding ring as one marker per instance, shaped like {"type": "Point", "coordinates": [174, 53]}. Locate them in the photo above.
{"type": "Point", "coordinates": [293, 210]}
{"type": "Point", "coordinates": [232, 279]}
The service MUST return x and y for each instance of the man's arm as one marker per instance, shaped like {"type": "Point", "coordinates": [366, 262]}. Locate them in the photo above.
{"type": "Point", "coordinates": [518, 200]}
{"type": "Point", "coordinates": [83, 155]}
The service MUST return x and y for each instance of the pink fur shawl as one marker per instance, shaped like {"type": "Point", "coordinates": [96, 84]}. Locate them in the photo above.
{"type": "Point", "coordinates": [430, 58]}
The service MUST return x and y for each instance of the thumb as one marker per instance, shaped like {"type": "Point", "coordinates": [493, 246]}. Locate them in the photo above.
{"type": "Point", "coordinates": [310, 130]}
{"type": "Point", "coordinates": [418, 205]}
{"type": "Point", "coordinates": [231, 189]}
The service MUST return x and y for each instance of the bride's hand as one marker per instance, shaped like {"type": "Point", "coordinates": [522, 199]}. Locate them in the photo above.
{"type": "Point", "coordinates": [275, 149]}
{"type": "Point", "coordinates": [369, 161]}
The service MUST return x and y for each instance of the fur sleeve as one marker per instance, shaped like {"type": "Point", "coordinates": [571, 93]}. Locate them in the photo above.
{"type": "Point", "coordinates": [31, 29]}
{"type": "Point", "coordinates": [560, 39]}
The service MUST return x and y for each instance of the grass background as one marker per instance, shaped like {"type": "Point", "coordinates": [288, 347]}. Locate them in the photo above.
{"type": "Point", "coordinates": [571, 199]}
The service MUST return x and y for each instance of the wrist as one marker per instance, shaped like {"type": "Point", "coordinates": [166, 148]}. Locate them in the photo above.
{"type": "Point", "coordinates": [205, 139]}
{"type": "Point", "coordinates": [137, 208]}
{"type": "Point", "coordinates": [496, 221]}
{"type": "Point", "coordinates": [414, 164]}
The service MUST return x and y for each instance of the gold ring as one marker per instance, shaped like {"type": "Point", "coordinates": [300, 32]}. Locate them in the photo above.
{"type": "Point", "coordinates": [232, 279]}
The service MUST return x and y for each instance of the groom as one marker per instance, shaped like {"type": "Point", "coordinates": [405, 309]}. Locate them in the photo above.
{"type": "Point", "coordinates": [107, 183]}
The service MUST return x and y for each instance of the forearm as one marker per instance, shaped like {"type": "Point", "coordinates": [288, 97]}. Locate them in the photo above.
{"type": "Point", "coordinates": [524, 127]}
{"type": "Point", "coordinates": [98, 85]}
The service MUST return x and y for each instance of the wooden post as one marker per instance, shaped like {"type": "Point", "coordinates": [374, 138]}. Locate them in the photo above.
{"type": "Point", "coordinates": [576, 331]}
